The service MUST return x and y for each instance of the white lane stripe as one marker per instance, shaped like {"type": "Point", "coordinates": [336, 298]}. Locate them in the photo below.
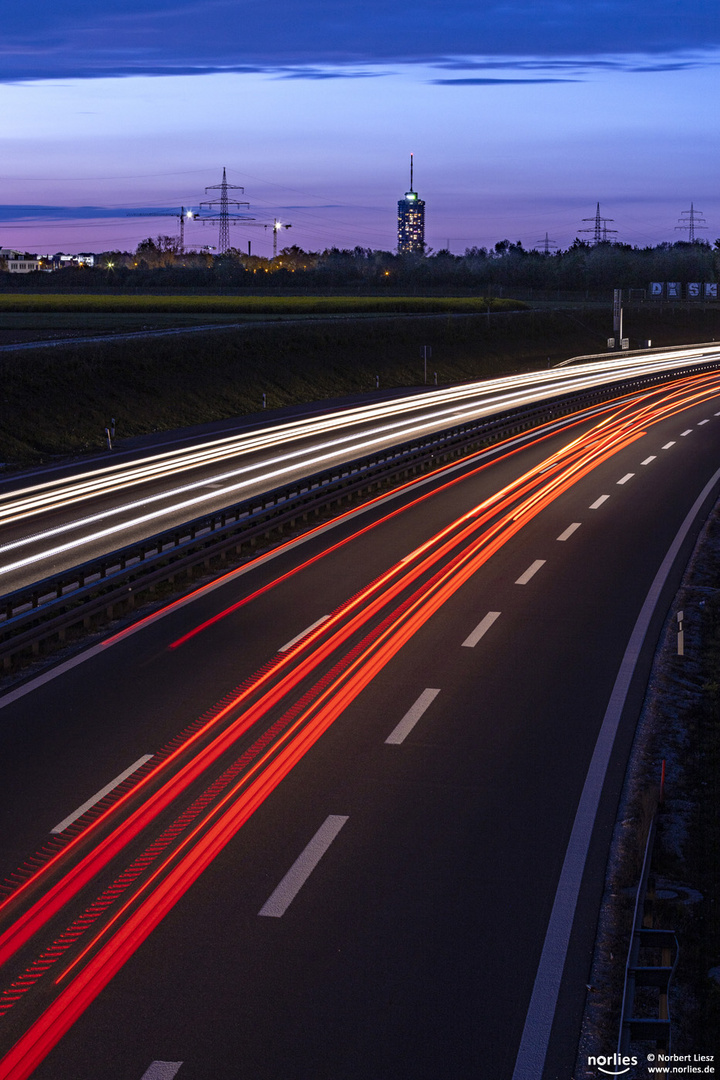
{"type": "Point", "coordinates": [569, 531]}
{"type": "Point", "coordinates": [411, 717]}
{"type": "Point", "coordinates": [626, 477]}
{"type": "Point", "coordinates": [649, 459]}
{"type": "Point", "coordinates": [530, 572]}
{"type": "Point", "coordinates": [481, 629]}
{"type": "Point", "coordinates": [100, 794]}
{"type": "Point", "coordinates": [219, 583]}
{"type": "Point", "coordinates": [599, 502]}
{"type": "Point", "coordinates": [688, 432]}
{"type": "Point", "coordinates": [161, 1070]}
{"type": "Point", "coordinates": [703, 422]}
{"type": "Point", "coordinates": [302, 868]}
{"type": "Point", "coordinates": [303, 633]}
{"type": "Point", "coordinates": [668, 445]}
{"type": "Point", "coordinates": [716, 414]}
{"type": "Point", "coordinates": [543, 1002]}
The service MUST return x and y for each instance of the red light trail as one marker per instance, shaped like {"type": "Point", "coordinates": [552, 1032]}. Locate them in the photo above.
{"type": "Point", "coordinates": [245, 748]}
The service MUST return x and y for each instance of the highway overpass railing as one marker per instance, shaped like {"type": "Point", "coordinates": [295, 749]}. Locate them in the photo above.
{"type": "Point", "coordinates": [110, 586]}
{"type": "Point", "coordinates": [650, 966]}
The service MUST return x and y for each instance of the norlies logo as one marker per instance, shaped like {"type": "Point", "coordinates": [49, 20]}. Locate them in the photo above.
{"type": "Point", "coordinates": [603, 1060]}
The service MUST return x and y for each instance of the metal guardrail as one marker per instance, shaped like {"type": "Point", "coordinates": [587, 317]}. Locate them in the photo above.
{"type": "Point", "coordinates": [105, 586]}
{"type": "Point", "coordinates": [643, 970]}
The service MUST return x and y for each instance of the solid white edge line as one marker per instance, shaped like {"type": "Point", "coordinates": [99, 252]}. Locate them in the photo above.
{"type": "Point", "coordinates": [176, 605]}
{"type": "Point", "coordinates": [530, 572]}
{"type": "Point", "coordinates": [303, 633]}
{"type": "Point", "coordinates": [480, 630]}
{"type": "Point", "coordinates": [624, 479]}
{"type": "Point", "coordinates": [283, 896]}
{"type": "Point", "coordinates": [535, 1039]}
{"type": "Point", "coordinates": [100, 794]}
{"type": "Point", "coordinates": [569, 531]}
{"type": "Point", "coordinates": [161, 1070]}
{"type": "Point", "coordinates": [653, 457]}
{"type": "Point", "coordinates": [411, 717]}
{"type": "Point", "coordinates": [599, 502]}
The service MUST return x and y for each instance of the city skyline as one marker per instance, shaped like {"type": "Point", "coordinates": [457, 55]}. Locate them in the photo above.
{"type": "Point", "coordinates": [521, 118]}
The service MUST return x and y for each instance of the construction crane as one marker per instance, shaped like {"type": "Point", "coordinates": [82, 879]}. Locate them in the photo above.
{"type": "Point", "coordinates": [276, 227]}
{"type": "Point", "coordinates": [183, 216]}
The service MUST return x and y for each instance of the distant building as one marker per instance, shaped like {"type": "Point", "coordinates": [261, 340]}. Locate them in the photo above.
{"type": "Point", "coordinates": [411, 221]}
{"type": "Point", "coordinates": [17, 263]}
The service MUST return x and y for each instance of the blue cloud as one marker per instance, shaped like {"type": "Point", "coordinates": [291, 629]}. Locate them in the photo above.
{"type": "Point", "coordinates": [495, 82]}
{"type": "Point", "coordinates": [18, 212]}
{"type": "Point", "coordinates": [45, 39]}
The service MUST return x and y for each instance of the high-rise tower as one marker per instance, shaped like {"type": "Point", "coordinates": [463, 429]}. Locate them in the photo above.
{"type": "Point", "coordinates": [411, 221]}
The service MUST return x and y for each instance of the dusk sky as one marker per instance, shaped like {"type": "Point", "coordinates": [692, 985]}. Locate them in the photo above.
{"type": "Point", "coordinates": [521, 115]}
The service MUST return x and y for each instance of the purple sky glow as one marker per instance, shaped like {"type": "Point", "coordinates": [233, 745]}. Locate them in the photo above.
{"type": "Point", "coordinates": [521, 116]}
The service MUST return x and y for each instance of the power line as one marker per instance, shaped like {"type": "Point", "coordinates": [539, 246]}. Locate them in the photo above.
{"type": "Point", "coordinates": [691, 220]}
{"type": "Point", "coordinates": [548, 245]}
{"type": "Point", "coordinates": [225, 219]}
{"type": "Point", "coordinates": [599, 227]}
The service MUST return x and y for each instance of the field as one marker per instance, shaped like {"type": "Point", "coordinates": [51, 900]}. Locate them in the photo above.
{"type": "Point", "coordinates": [245, 306]}
{"type": "Point", "coordinates": [58, 400]}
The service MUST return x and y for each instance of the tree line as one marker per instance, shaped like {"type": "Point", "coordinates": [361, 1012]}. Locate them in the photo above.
{"type": "Point", "coordinates": [160, 263]}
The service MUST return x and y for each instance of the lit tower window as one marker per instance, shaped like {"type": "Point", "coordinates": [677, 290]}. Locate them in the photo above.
{"type": "Point", "coordinates": [411, 221]}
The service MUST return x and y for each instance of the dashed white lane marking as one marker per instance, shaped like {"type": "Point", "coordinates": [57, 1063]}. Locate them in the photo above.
{"type": "Point", "coordinates": [302, 868]}
{"type": "Point", "coordinates": [304, 633]}
{"type": "Point", "coordinates": [161, 1070]}
{"type": "Point", "coordinates": [668, 445]}
{"type": "Point", "coordinates": [530, 572]}
{"type": "Point", "coordinates": [481, 629]}
{"type": "Point", "coordinates": [569, 531]}
{"type": "Point", "coordinates": [101, 795]}
{"type": "Point", "coordinates": [599, 502]}
{"type": "Point", "coordinates": [543, 1002]}
{"type": "Point", "coordinates": [411, 717]}
{"type": "Point", "coordinates": [700, 424]}
{"type": "Point", "coordinates": [687, 432]}
{"type": "Point", "coordinates": [649, 459]}
{"type": "Point", "coordinates": [626, 477]}
{"type": "Point", "coordinates": [716, 414]}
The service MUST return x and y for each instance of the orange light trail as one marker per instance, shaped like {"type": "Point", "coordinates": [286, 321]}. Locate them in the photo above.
{"type": "Point", "coordinates": [403, 599]}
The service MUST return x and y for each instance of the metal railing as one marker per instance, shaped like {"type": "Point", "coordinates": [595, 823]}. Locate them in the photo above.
{"type": "Point", "coordinates": [647, 945]}
{"type": "Point", "coordinates": [113, 583]}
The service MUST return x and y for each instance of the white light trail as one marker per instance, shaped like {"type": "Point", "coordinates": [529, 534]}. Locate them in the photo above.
{"type": "Point", "coordinates": [389, 422]}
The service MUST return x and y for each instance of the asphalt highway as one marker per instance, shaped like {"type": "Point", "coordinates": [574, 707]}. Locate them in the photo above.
{"type": "Point", "coordinates": [352, 788]}
{"type": "Point", "coordinates": [52, 522]}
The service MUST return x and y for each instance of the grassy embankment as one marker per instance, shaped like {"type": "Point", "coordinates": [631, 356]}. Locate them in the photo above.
{"type": "Point", "coordinates": [58, 400]}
